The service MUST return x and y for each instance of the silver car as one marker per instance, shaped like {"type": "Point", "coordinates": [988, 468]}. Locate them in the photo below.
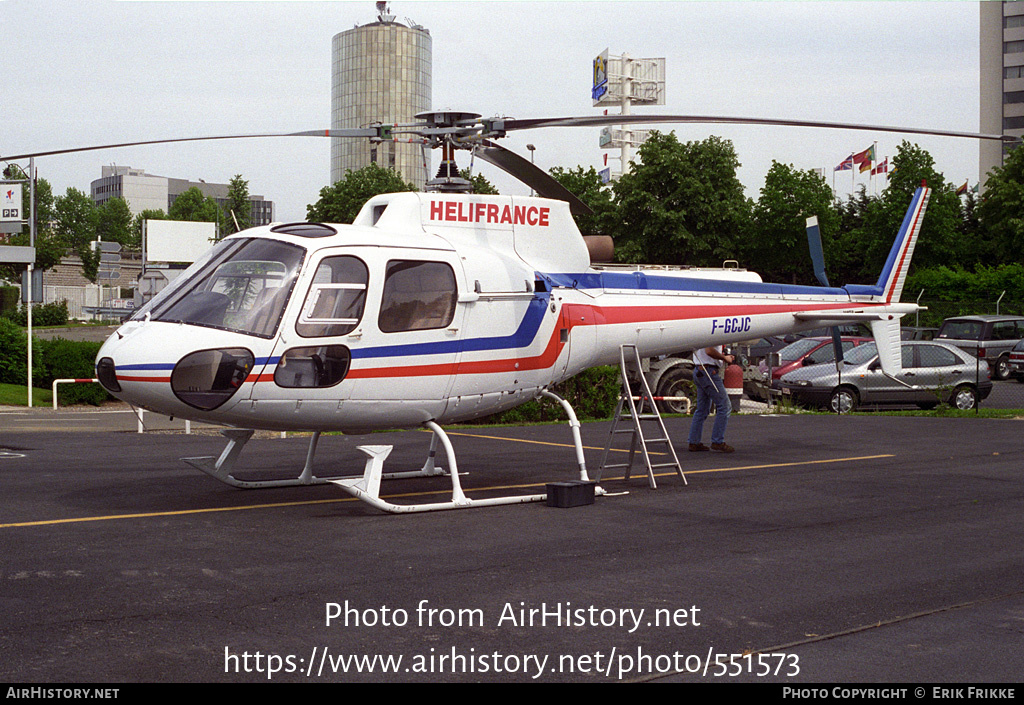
{"type": "Point", "coordinates": [933, 373]}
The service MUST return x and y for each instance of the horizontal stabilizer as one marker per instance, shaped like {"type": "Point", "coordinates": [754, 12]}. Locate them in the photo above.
{"type": "Point", "coordinates": [865, 316]}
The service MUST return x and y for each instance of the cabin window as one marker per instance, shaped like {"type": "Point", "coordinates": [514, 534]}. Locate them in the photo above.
{"type": "Point", "coordinates": [417, 296]}
{"type": "Point", "coordinates": [334, 304]}
{"type": "Point", "coordinates": [243, 287]}
{"type": "Point", "coordinates": [320, 366]}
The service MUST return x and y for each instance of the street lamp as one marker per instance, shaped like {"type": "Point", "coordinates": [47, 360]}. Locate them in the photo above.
{"type": "Point", "coordinates": [532, 148]}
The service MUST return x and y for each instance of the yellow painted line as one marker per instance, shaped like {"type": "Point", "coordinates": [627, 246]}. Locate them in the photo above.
{"type": "Point", "coordinates": [183, 512]}
{"type": "Point", "coordinates": [788, 465]}
{"type": "Point", "coordinates": [542, 443]}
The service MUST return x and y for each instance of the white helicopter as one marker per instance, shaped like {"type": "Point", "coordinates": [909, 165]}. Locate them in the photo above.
{"type": "Point", "coordinates": [438, 307]}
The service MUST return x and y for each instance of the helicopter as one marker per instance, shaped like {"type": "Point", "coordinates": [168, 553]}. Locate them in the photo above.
{"type": "Point", "coordinates": [443, 306]}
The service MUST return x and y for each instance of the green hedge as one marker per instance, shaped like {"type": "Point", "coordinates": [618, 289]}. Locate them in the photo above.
{"type": "Point", "coordinates": [9, 297]}
{"type": "Point", "coordinates": [592, 393]}
{"type": "Point", "coordinates": [51, 359]}
{"type": "Point", "coordinates": [958, 292]}
{"type": "Point", "coordinates": [52, 314]}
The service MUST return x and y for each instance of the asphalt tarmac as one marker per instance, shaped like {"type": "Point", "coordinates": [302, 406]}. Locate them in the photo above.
{"type": "Point", "coordinates": [824, 550]}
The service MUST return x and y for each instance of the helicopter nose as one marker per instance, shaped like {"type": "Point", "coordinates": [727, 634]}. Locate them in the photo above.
{"type": "Point", "coordinates": [146, 367]}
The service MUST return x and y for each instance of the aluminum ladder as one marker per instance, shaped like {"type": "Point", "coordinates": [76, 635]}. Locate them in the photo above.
{"type": "Point", "coordinates": [630, 416]}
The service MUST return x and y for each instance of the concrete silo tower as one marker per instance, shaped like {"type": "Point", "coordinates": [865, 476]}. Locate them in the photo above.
{"type": "Point", "coordinates": [381, 72]}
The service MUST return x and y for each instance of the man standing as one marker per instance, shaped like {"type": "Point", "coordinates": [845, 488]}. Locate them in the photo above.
{"type": "Point", "coordinates": [710, 388]}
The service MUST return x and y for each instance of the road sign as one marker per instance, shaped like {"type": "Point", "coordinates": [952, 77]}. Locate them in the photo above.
{"type": "Point", "coordinates": [108, 274]}
{"type": "Point", "coordinates": [17, 254]}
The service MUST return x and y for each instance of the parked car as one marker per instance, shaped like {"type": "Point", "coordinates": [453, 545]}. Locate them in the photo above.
{"type": "Point", "coordinates": [933, 372]}
{"type": "Point", "coordinates": [803, 352]}
{"type": "Point", "coordinates": [913, 333]}
{"type": "Point", "coordinates": [752, 352]}
{"type": "Point", "coordinates": [990, 338]}
{"type": "Point", "coordinates": [1017, 361]}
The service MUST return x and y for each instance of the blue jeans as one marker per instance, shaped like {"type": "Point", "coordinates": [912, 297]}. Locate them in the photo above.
{"type": "Point", "coordinates": [710, 388]}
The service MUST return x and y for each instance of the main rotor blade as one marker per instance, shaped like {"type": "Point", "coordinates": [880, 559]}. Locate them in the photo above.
{"type": "Point", "coordinates": [533, 176]}
{"type": "Point", "coordinates": [354, 132]}
{"type": "Point", "coordinates": [601, 120]}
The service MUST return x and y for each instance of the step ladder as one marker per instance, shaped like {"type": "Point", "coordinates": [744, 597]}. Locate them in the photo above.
{"type": "Point", "coordinates": [630, 416]}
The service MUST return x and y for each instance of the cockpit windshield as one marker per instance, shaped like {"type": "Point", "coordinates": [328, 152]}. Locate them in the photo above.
{"type": "Point", "coordinates": [243, 287]}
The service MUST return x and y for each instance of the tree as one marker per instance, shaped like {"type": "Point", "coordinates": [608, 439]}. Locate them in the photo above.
{"type": "Point", "coordinates": [341, 202]}
{"type": "Point", "coordinates": [75, 221]}
{"type": "Point", "coordinates": [844, 260]}
{"type": "Point", "coordinates": [114, 221]}
{"type": "Point", "coordinates": [1001, 210]}
{"type": "Point", "coordinates": [587, 186]}
{"type": "Point", "coordinates": [937, 242]}
{"type": "Point", "coordinates": [480, 183]}
{"type": "Point", "coordinates": [975, 244]}
{"type": "Point", "coordinates": [777, 243]}
{"type": "Point", "coordinates": [682, 204]}
{"type": "Point", "coordinates": [192, 205]}
{"type": "Point", "coordinates": [147, 214]}
{"type": "Point", "coordinates": [239, 205]}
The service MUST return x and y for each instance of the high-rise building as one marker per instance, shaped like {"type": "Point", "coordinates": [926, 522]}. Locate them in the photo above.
{"type": "Point", "coordinates": [381, 73]}
{"type": "Point", "coordinates": [1002, 79]}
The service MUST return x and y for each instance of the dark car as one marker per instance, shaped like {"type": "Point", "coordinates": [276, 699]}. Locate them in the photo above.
{"type": "Point", "coordinates": [913, 333]}
{"type": "Point", "coordinates": [990, 338]}
{"type": "Point", "coordinates": [752, 352]}
{"type": "Point", "coordinates": [1017, 361]}
{"type": "Point", "coordinates": [933, 373]}
{"type": "Point", "coordinates": [803, 352]}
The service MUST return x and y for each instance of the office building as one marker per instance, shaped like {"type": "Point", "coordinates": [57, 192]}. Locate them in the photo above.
{"type": "Point", "coordinates": [145, 191]}
{"type": "Point", "coordinates": [1001, 80]}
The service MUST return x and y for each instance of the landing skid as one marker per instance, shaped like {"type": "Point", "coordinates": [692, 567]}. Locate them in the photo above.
{"type": "Point", "coordinates": [367, 487]}
{"type": "Point", "coordinates": [222, 467]}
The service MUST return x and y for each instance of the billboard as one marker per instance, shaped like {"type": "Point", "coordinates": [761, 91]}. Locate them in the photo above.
{"type": "Point", "coordinates": [176, 241]}
{"type": "Point", "coordinates": [600, 86]}
{"type": "Point", "coordinates": [618, 78]}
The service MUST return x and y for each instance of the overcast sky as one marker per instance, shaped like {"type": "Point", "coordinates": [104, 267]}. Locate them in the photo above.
{"type": "Point", "coordinates": [79, 73]}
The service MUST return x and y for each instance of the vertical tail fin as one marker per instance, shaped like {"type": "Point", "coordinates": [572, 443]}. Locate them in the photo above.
{"type": "Point", "coordinates": [887, 340]}
{"type": "Point", "coordinates": [895, 271]}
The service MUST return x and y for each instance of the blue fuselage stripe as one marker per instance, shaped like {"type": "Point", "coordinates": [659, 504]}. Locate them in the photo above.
{"type": "Point", "coordinates": [639, 281]}
{"type": "Point", "coordinates": [524, 336]}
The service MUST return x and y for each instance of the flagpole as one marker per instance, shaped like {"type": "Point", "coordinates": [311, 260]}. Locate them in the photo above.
{"type": "Point", "coordinates": [874, 159]}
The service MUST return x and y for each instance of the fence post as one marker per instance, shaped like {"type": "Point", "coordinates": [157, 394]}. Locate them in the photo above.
{"type": "Point", "coordinates": [68, 381]}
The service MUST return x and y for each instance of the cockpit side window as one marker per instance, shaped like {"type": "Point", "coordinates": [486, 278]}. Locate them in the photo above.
{"type": "Point", "coordinates": [335, 301]}
{"type": "Point", "coordinates": [417, 296]}
{"type": "Point", "coordinates": [244, 289]}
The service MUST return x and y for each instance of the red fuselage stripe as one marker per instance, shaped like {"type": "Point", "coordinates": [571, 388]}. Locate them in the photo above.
{"type": "Point", "coordinates": [577, 315]}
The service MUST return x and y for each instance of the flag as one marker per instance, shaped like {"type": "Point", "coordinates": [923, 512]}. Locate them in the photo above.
{"type": "Point", "coordinates": [847, 164]}
{"type": "Point", "coordinates": [962, 190]}
{"type": "Point", "coordinates": [881, 168]}
{"type": "Point", "coordinates": [867, 156]}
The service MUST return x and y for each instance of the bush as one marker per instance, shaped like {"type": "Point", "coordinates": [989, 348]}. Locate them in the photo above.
{"type": "Point", "coordinates": [14, 354]}
{"type": "Point", "coordinates": [52, 314]}
{"type": "Point", "coordinates": [63, 359]}
{"type": "Point", "coordinates": [9, 296]}
{"type": "Point", "coordinates": [51, 359]}
{"type": "Point", "coordinates": [592, 394]}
